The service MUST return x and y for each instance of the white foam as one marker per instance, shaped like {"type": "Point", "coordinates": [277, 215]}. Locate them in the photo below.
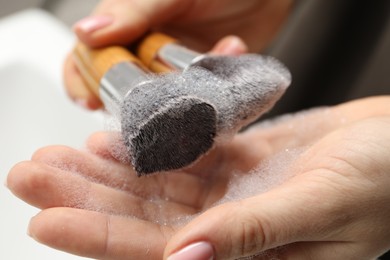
{"type": "Point", "coordinates": [268, 174]}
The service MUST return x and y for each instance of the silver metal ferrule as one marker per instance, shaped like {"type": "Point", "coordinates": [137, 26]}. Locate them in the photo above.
{"type": "Point", "coordinates": [117, 82]}
{"type": "Point", "coordinates": [177, 57]}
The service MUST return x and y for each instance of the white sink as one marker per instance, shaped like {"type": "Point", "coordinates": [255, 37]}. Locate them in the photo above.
{"type": "Point", "coordinates": [34, 112]}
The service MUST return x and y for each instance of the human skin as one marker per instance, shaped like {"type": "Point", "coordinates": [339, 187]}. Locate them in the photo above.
{"type": "Point", "coordinates": [202, 25]}
{"type": "Point", "coordinates": [335, 205]}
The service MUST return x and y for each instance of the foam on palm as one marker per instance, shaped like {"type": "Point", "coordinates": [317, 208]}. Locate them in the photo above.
{"type": "Point", "coordinates": [269, 173]}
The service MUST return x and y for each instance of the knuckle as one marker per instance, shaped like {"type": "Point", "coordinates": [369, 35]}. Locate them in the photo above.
{"type": "Point", "coordinates": [249, 237]}
{"type": "Point", "coordinates": [253, 236]}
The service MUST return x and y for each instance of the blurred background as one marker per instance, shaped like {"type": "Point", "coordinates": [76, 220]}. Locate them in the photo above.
{"type": "Point", "coordinates": [35, 37]}
{"type": "Point", "coordinates": [68, 11]}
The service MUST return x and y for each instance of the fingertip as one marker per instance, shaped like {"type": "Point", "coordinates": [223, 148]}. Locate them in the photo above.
{"type": "Point", "coordinates": [91, 24]}
{"type": "Point", "coordinates": [31, 229]}
{"type": "Point", "coordinates": [119, 28]}
{"type": "Point", "coordinates": [15, 176]}
{"type": "Point", "coordinates": [46, 226]}
{"type": "Point", "coordinates": [72, 230]}
{"type": "Point", "coordinates": [41, 223]}
{"type": "Point", "coordinates": [48, 154]}
{"type": "Point", "coordinates": [96, 141]}
{"type": "Point", "coordinates": [26, 181]}
{"type": "Point", "coordinates": [105, 144]}
{"type": "Point", "coordinates": [91, 103]}
{"type": "Point", "coordinates": [87, 28]}
{"type": "Point", "coordinates": [230, 45]}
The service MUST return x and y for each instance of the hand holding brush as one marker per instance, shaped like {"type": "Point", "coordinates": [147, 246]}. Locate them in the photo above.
{"type": "Point", "coordinates": [170, 121]}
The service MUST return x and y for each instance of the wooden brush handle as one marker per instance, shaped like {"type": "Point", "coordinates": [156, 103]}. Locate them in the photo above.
{"type": "Point", "coordinates": [148, 48]}
{"type": "Point", "coordinates": [94, 63]}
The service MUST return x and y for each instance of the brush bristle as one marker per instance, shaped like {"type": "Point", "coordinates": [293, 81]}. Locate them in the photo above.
{"type": "Point", "coordinates": [179, 133]}
{"type": "Point", "coordinates": [169, 121]}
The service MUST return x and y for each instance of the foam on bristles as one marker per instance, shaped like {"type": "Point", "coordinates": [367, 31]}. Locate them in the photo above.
{"type": "Point", "coordinates": [164, 126]}
{"type": "Point", "coordinates": [255, 84]}
{"type": "Point", "coordinates": [169, 121]}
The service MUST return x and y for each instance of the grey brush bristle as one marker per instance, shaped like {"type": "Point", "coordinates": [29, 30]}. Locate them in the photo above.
{"type": "Point", "coordinates": [169, 121]}
{"type": "Point", "coordinates": [256, 84]}
{"type": "Point", "coordinates": [168, 133]}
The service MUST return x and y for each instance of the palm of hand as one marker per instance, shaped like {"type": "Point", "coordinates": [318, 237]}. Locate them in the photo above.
{"type": "Point", "coordinates": [87, 198]}
{"type": "Point", "coordinates": [100, 209]}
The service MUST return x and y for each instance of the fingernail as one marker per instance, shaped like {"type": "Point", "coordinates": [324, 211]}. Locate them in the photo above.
{"type": "Point", "coordinates": [93, 23]}
{"type": "Point", "coordinates": [198, 251]}
{"type": "Point", "coordinates": [82, 102]}
{"type": "Point", "coordinates": [232, 45]}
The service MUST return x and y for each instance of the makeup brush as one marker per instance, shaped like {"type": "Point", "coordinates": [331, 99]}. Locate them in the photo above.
{"type": "Point", "coordinates": [169, 121]}
{"type": "Point", "coordinates": [155, 124]}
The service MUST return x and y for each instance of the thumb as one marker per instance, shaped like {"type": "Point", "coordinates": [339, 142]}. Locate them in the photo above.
{"type": "Point", "coordinates": [251, 226]}
{"type": "Point", "coordinates": [120, 22]}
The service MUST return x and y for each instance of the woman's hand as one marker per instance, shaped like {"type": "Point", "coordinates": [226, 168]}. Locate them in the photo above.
{"type": "Point", "coordinates": [335, 205]}
{"type": "Point", "coordinates": [198, 24]}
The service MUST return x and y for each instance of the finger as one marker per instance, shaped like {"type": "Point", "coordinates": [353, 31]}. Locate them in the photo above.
{"type": "Point", "coordinates": [44, 187]}
{"type": "Point", "coordinates": [296, 210]}
{"type": "Point", "coordinates": [94, 168]}
{"type": "Point", "coordinates": [99, 236]}
{"type": "Point", "coordinates": [241, 229]}
{"type": "Point", "coordinates": [120, 22]}
{"type": "Point", "coordinates": [108, 145]}
{"type": "Point", "coordinates": [192, 182]}
{"type": "Point", "coordinates": [230, 45]}
{"type": "Point", "coordinates": [169, 187]}
{"type": "Point", "coordinates": [76, 87]}
{"type": "Point", "coordinates": [210, 172]}
{"type": "Point", "coordinates": [31, 182]}
{"type": "Point", "coordinates": [236, 155]}
{"type": "Point", "coordinates": [314, 250]}
{"type": "Point", "coordinates": [253, 226]}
